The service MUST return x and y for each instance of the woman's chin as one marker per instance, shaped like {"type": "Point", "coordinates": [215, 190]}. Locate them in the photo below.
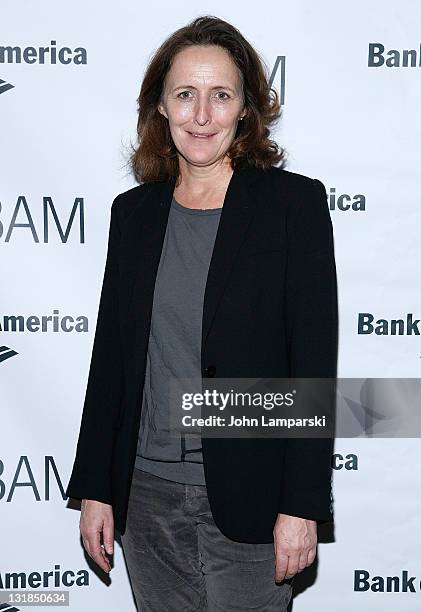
{"type": "Point", "coordinates": [199, 160]}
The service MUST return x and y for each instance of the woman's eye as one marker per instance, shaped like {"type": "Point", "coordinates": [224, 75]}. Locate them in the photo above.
{"type": "Point", "coordinates": [185, 97]}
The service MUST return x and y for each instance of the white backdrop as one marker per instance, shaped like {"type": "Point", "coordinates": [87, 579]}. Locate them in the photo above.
{"type": "Point", "coordinates": [64, 130]}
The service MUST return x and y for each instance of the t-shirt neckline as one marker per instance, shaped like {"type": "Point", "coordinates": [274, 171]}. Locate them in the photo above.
{"type": "Point", "coordinates": [194, 211]}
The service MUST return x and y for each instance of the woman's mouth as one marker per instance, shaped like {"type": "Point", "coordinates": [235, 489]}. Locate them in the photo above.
{"type": "Point", "coordinates": [199, 136]}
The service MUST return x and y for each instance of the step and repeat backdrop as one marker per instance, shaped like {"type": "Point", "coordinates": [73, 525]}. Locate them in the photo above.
{"type": "Point", "coordinates": [349, 77]}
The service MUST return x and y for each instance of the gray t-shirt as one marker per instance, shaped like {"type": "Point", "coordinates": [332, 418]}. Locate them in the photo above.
{"type": "Point", "coordinates": [175, 342]}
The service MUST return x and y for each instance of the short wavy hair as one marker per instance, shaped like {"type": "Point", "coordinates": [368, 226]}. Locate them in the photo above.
{"type": "Point", "coordinates": [154, 158]}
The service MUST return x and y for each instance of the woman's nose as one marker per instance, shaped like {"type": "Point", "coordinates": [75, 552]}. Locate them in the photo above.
{"type": "Point", "coordinates": [202, 112]}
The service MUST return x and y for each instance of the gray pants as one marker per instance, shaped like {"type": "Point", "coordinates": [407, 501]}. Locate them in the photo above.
{"type": "Point", "coordinates": [179, 561]}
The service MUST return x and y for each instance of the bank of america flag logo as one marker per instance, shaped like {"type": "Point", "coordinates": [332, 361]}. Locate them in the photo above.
{"type": "Point", "coordinates": [5, 86]}
{"type": "Point", "coordinates": [5, 607]}
{"type": "Point", "coordinates": [5, 353]}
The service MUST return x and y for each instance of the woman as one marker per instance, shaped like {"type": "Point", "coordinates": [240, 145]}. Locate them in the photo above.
{"type": "Point", "coordinates": [219, 264]}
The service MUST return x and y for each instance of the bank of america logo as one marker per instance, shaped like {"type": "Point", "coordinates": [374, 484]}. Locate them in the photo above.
{"type": "Point", "coordinates": [5, 353]}
{"type": "Point", "coordinates": [5, 86]}
{"type": "Point", "coordinates": [5, 607]}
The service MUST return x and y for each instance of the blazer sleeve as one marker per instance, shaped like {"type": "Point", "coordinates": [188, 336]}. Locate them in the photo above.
{"type": "Point", "coordinates": [312, 333]}
{"type": "Point", "coordinates": [90, 477]}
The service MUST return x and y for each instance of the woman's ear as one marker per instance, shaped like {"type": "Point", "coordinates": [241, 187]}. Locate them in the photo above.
{"type": "Point", "coordinates": [161, 109]}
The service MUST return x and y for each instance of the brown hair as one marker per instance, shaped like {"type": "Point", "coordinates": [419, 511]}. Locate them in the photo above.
{"type": "Point", "coordinates": [155, 156]}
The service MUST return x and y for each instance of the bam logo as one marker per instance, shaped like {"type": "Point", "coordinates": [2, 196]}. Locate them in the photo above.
{"type": "Point", "coordinates": [279, 67]}
{"type": "Point", "coordinates": [50, 217]}
{"type": "Point", "coordinates": [23, 476]}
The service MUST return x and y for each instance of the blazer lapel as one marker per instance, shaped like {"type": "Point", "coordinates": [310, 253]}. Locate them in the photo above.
{"type": "Point", "coordinates": [237, 213]}
{"type": "Point", "coordinates": [145, 238]}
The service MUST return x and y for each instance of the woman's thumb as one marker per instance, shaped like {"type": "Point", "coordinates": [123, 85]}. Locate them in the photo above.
{"type": "Point", "coordinates": [108, 537]}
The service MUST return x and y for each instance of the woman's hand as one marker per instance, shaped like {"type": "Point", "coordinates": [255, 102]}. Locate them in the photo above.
{"type": "Point", "coordinates": [97, 517]}
{"type": "Point", "coordinates": [295, 541]}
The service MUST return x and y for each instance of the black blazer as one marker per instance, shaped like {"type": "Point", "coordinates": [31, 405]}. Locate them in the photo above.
{"type": "Point", "coordinates": [270, 310]}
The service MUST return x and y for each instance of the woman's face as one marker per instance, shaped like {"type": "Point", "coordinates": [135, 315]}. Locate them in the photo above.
{"type": "Point", "coordinates": [202, 95]}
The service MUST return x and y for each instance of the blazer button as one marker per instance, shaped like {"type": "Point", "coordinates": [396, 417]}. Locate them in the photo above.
{"type": "Point", "coordinates": [209, 372]}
